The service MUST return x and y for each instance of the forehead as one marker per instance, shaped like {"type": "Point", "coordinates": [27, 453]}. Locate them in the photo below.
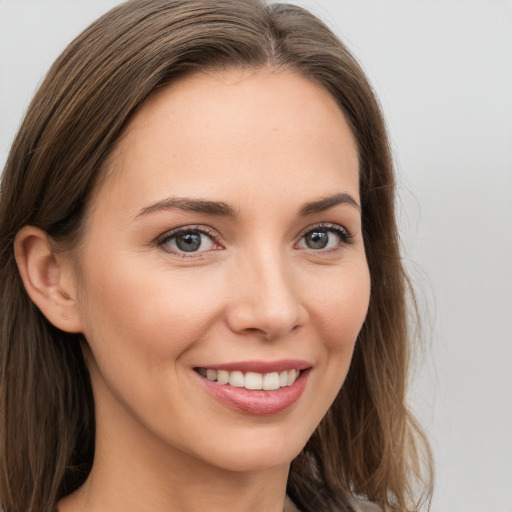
{"type": "Point", "coordinates": [214, 131]}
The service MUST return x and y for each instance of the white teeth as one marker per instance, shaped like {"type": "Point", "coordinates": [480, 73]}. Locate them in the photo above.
{"type": "Point", "coordinates": [211, 374]}
{"type": "Point", "coordinates": [222, 377]}
{"type": "Point", "coordinates": [292, 375]}
{"type": "Point", "coordinates": [236, 379]}
{"type": "Point", "coordinates": [271, 381]}
{"type": "Point", "coordinates": [251, 380]}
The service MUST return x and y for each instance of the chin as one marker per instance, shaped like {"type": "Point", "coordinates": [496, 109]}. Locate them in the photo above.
{"type": "Point", "coordinates": [261, 450]}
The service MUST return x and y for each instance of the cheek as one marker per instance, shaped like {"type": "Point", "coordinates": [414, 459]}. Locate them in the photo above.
{"type": "Point", "coordinates": [155, 314]}
{"type": "Point", "coordinates": [339, 307]}
{"type": "Point", "coordinates": [338, 304]}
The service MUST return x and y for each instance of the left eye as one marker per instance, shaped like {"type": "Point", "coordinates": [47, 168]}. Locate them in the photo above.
{"type": "Point", "coordinates": [189, 241]}
{"type": "Point", "coordinates": [323, 238]}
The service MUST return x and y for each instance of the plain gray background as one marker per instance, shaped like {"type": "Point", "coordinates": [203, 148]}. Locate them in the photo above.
{"type": "Point", "coordinates": [443, 72]}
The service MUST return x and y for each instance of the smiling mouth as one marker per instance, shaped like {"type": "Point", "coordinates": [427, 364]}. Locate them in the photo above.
{"type": "Point", "coordinates": [251, 380]}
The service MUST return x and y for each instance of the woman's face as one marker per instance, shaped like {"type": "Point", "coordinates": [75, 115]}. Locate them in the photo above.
{"type": "Point", "coordinates": [225, 245]}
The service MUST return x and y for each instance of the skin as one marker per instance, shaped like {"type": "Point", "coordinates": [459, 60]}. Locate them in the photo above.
{"type": "Point", "coordinates": [264, 143]}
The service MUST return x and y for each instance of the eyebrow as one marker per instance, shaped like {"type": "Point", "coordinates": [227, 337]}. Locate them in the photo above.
{"type": "Point", "coordinates": [328, 202]}
{"type": "Point", "coordinates": [220, 209]}
{"type": "Point", "coordinates": [191, 205]}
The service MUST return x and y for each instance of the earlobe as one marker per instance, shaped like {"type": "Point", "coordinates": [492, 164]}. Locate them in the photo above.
{"type": "Point", "coordinates": [47, 278]}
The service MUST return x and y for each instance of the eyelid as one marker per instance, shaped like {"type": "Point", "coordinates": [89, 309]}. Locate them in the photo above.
{"type": "Point", "coordinates": [326, 225]}
{"type": "Point", "coordinates": [162, 240]}
{"type": "Point", "coordinates": [340, 231]}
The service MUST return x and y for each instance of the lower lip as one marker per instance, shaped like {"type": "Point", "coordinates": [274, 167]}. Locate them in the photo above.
{"type": "Point", "coordinates": [258, 402]}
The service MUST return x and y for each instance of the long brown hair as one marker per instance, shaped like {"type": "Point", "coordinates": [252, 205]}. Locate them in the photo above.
{"type": "Point", "coordinates": [368, 445]}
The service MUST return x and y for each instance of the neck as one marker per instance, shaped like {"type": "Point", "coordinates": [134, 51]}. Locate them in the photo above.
{"type": "Point", "coordinates": [214, 492]}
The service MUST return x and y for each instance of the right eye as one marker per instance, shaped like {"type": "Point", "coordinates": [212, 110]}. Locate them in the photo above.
{"type": "Point", "coordinates": [187, 240]}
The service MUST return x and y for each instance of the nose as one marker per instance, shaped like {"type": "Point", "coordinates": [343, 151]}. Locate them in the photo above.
{"type": "Point", "coordinates": [264, 298]}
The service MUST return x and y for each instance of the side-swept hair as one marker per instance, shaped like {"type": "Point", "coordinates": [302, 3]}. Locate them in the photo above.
{"type": "Point", "coordinates": [368, 445]}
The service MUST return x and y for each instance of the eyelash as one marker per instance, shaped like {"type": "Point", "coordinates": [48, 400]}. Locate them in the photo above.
{"type": "Point", "coordinates": [345, 238]}
{"type": "Point", "coordinates": [172, 235]}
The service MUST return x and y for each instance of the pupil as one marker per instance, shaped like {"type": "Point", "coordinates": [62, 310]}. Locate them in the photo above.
{"type": "Point", "coordinates": [189, 242]}
{"type": "Point", "coordinates": [317, 239]}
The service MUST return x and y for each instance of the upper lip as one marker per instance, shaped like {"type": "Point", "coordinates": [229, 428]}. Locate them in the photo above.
{"type": "Point", "coordinates": [260, 366]}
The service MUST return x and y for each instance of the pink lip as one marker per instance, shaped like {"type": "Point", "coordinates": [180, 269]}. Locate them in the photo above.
{"type": "Point", "coordinates": [257, 402]}
{"type": "Point", "coordinates": [261, 366]}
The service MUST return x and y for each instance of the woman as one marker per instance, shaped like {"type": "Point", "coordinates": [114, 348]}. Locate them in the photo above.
{"type": "Point", "coordinates": [202, 295]}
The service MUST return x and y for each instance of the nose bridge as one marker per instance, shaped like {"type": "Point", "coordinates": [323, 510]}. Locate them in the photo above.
{"type": "Point", "coordinates": [267, 298]}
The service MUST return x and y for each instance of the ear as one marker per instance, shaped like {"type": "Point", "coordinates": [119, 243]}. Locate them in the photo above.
{"type": "Point", "coordinates": [48, 278]}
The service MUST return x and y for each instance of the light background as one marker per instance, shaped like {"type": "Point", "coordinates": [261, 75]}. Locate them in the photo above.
{"type": "Point", "coordinates": [443, 72]}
